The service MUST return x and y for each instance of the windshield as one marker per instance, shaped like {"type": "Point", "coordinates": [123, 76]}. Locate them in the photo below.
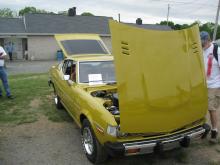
{"type": "Point", "coordinates": [96, 72]}
{"type": "Point", "coordinates": [74, 47]}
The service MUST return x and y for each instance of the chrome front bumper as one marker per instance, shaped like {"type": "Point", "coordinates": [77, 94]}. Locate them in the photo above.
{"type": "Point", "coordinates": [158, 144]}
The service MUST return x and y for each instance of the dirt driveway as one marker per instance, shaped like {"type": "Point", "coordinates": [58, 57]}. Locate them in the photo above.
{"type": "Point", "coordinates": [48, 143]}
{"type": "Point", "coordinates": [23, 67]}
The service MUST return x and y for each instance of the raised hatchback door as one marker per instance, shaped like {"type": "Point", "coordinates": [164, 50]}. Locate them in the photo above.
{"type": "Point", "coordinates": [160, 77]}
{"type": "Point", "coordinates": [81, 44]}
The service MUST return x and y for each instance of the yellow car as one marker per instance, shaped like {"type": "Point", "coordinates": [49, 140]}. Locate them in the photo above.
{"type": "Point", "coordinates": [158, 102]}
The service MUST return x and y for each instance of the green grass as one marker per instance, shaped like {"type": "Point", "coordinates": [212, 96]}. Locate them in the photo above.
{"type": "Point", "coordinates": [33, 98]}
{"type": "Point", "coordinates": [213, 162]}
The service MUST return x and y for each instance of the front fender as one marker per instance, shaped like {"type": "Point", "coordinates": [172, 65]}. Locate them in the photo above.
{"type": "Point", "coordinates": [99, 123]}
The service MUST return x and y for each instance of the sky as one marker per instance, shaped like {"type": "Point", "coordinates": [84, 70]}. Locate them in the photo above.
{"type": "Point", "coordinates": [150, 11]}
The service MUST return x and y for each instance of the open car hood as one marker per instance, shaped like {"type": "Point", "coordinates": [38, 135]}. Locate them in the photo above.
{"type": "Point", "coordinates": [64, 37]}
{"type": "Point", "coordinates": [160, 77]}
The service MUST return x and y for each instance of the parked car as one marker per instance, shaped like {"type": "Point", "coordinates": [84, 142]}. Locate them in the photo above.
{"type": "Point", "coordinates": [153, 106]}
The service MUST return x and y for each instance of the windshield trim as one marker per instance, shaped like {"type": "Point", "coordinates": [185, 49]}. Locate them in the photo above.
{"type": "Point", "coordinates": [91, 61]}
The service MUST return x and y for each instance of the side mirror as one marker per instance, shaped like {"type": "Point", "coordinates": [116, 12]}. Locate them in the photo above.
{"type": "Point", "coordinates": [66, 77]}
{"type": "Point", "coordinates": [70, 82]}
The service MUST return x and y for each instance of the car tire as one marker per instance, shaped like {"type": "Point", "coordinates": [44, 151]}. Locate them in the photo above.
{"type": "Point", "coordinates": [93, 149]}
{"type": "Point", "coordinates": [57, 100]}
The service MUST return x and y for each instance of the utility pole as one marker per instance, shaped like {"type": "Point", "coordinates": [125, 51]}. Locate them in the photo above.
{"type": "Point", "coordinates": [216, 22]}
{"type": "Point", "coordinates": [168, 13]}
{"type": "Point", "coordinates": [119, 17]}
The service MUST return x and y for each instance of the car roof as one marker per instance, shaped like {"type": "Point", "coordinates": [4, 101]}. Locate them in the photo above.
{"type": "Point", "coordinates": [91, 58]}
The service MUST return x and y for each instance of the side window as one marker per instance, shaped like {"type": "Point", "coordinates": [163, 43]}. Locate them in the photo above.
{"type": "Point", "coordinates": [67, 67]}
{"type": "Point", "coordinates": [73, 72]}
{"type": "Point", "coordinates": [64, 66]}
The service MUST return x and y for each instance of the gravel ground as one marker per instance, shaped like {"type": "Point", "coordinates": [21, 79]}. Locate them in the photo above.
{"type": "Point", "coordinates": [39, 143]}
{"type": "Point", "coordinates": [48, 143]}
{"type": "Point", "coordinates": [23, 67]}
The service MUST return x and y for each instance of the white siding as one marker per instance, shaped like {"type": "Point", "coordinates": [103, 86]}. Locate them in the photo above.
{"type": "Point", "coordinates": [42, 47]}
{"type": "Point", "coordinates": [45, 47]}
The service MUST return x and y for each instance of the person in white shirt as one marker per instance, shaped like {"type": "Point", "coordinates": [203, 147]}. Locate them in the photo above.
{"type": "Point", "coordinates": [3, 75]}
{"type": "Point", "coordinates": [212, 71]}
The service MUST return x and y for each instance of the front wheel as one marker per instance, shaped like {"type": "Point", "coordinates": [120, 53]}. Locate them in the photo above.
{"type": "Point", "coordinates": [93, 149]}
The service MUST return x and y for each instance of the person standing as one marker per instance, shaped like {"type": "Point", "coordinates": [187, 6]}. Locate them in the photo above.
{"type": "Point", "coordinates": [211, 55]}
{"type": "Point", "coordinates": [3, 75]}
{"type": "Point", "coordinates": [9, 49]}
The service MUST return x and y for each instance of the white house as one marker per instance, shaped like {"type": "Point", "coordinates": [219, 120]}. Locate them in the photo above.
{"type": "Point", "coordinates": [34, 33]}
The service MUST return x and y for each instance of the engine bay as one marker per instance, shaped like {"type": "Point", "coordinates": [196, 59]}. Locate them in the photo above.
{"type": "Point", "coordinates": [110, 100]}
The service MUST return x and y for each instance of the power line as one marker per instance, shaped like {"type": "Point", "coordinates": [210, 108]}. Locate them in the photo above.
{"type": "Point", "coordinates": [201, 4]}
{"type": "Point", "coordinates": [191, 14]}
{"type": "Point", "coordinates": [182, 3]}
{"type": "Point", "coordinates": [192, 7]}
{"type": "Point", "coordinates": [192, 11]}
{"type": "Point", "coordinates": [171, 1]}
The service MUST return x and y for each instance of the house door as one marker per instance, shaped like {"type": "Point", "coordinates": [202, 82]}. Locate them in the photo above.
{"type": "Point", "coordinates": [17, 47]}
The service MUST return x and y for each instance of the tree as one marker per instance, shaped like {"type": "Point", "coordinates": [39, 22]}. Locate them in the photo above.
{"type": "Point", "coordinates": [27, 10]}
{"type": "Point", "coordinates": [218, 33]}
{"type": "Point", "coordinates": [177, 27]}
{"type": "Point", "coordinates": [196, 23]}
{"type": "Point", "coordinates": [6, 12]}
{"type": "Point", "coordinates": [87, 14]}
{"type": "Point", "coordinates": [209, 27]}
{"type": "Point", "coordinates": [170, 24]}
{"type": "Point", "coordinates": [31, 9]}
{"type": "Point", "coordinates": [184, 26]}
{"type": "Point", "coordinates": [43, 11]}
{"type": "Point", "coordinates": [63, 12]}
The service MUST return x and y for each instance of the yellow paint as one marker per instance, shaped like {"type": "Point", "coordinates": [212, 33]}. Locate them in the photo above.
{"type": "Point", "coordinates": [160, 78]}
{"type": "Point", "coordinates": [76, 98]}
{"type": "Point", "coordinates": [62, 37]}
{"type": "Point", "coordinates": [160, 81]}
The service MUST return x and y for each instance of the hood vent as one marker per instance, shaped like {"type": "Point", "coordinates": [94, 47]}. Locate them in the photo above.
{"type": "Point", "coordinates": [195, 47]}
{"type": "Point", "coordinates": [125, 48]}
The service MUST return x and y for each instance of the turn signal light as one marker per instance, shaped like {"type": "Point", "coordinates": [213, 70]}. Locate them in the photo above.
{"type": "Point", "coordinates": [133, 151]}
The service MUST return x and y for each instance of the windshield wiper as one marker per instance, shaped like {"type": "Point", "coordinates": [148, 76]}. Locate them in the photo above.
{"type": "Point", "coordinates": [106, 83]}
{"type": "Point", "coordinates": [111, 83]}
{"type": "Point", "coordinates": [91, 81]}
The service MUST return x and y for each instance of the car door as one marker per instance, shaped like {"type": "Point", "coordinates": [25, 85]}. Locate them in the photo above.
{"type": "Point", "coordinates": [71, 86]}
{"type": "Point", "coordinates": [58, 78]}
{"type": "Point", "coordinates": [62, 87]}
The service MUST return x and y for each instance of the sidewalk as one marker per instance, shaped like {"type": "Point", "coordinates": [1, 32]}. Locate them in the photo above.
{"type": "Point", "coordinates": [24, 67]}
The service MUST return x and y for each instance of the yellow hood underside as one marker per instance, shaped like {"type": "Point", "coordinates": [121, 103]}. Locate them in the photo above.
{"type": "Point", "coordinates": [160, 77]}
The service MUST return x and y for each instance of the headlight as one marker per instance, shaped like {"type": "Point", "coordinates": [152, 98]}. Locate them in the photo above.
{"type": "Point", "coordinates": [112, 130]}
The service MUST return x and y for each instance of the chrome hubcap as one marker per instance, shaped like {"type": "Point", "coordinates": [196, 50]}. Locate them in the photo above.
{"type": "Point", "coordinates": [87, 141]}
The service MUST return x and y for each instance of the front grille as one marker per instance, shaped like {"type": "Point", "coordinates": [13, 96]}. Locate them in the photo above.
{"type": "Point", "coordinates": [145, 135]}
